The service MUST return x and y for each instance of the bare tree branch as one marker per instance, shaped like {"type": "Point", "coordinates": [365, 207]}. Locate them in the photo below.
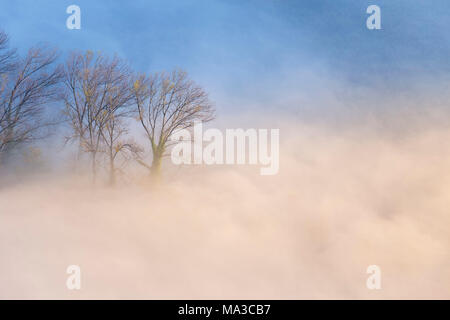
{"type": "Point", "coordinates": [166, 102]}
{"type": "Point", "coordinates": [97, 99]}
{"type": "Point", "coordinates": [27, 86]}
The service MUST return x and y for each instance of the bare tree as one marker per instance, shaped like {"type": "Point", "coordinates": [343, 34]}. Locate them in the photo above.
{"type": "Point", "coordinates": [27, 85]}
{"type": "Point", "coordinates": [97, 97]}
{"type": "Point", "coordinates": [115, 145]}
{"type": "Point", "coordinates": [167, 102]}
{"type": "Point", "coordinates": [8, 57]}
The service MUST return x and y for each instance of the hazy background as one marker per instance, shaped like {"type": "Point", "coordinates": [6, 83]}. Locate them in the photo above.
{"type": "Point", "coordinates": [364, 162]}
{"type": "Point", "coordinates": [291, 56]}
{"type": "Point", "coordinates": [341, 202]}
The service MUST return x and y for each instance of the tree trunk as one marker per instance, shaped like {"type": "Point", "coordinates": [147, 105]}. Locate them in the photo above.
{"type": "Point", "coordinates": [112, 171]}
{"type": "Point", "coordinates": [155, 170]}
{"type": "Point", "coordinates": [94, 168]}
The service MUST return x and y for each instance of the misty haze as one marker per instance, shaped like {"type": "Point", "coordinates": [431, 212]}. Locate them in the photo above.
{"type": "Point", "coordinates": [88, 113]}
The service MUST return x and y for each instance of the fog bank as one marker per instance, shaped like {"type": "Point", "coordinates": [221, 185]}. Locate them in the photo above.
{"type": "Point", "coordinates": [343, 200]}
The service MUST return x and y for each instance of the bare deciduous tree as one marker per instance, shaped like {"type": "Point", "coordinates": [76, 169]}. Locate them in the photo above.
{"type": "Point", "coordinates": [113, 135]}
{"type": "Point", "coordinates": [27, 85]}
{"type": "Point", "coordinates": [7, 56]}
{"type": "Point", "coordinates": [97, 97]}
{"type": "Point", "coordinates": [167, 102]}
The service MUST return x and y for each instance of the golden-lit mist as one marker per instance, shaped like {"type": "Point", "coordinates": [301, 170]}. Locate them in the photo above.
{"type": "Point", "coordinates": [343, 200]}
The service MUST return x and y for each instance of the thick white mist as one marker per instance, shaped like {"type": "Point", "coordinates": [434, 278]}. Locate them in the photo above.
{"type": "Point", "coordinates": [343, 200]}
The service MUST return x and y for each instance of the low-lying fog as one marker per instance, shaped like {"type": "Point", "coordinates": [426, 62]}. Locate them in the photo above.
{"type": "Point", "coordinates": [343, 200]}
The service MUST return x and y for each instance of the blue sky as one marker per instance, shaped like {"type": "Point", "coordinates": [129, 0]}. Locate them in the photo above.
{"type": "Point", "coordinates": [252, 50]}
